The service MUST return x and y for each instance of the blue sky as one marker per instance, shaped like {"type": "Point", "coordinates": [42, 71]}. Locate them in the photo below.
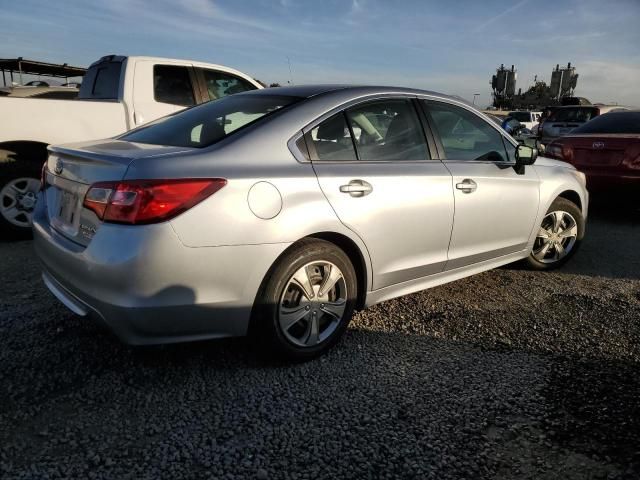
{"type": "Point", "coordinates": [450, 46]}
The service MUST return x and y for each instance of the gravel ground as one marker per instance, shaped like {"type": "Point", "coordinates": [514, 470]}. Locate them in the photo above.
{"type": "Point", "coordinates": [507, 374]}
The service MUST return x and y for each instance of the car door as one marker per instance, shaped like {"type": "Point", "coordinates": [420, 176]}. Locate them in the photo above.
{"type": "Point", "coordinates": [495, 207]}
{"type": "Point", "coordinates": [374, 165]}
{"type": "Point", "coordinates": [160, 90]}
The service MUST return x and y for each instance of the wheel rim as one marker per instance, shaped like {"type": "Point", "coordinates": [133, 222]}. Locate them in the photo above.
{"type": "Point", "coordinates": [556, 237]}
{"type": "Point", "coordinates": [313, 304]}
{"type": "Point", "coordinates": [18, 199]}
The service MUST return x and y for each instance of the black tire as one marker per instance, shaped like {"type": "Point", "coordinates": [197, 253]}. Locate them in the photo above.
{"type": "Point", "coordinates": [560, 205]}
{"type": "Point", "coordinates": [266, 328]}
{"type": "Point", "coordinates": [12, 169]}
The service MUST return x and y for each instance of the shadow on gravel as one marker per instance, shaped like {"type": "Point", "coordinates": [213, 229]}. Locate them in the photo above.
{"type": "Point", "coordinates": [594, 408]}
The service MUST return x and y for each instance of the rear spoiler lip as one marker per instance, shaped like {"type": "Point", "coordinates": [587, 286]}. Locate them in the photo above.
{"type": "Point", "coordinates": [86, 154]}
{"type": "Point", "coordinates": [91, 155]}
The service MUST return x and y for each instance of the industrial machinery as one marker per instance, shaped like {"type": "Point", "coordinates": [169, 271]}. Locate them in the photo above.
{"type": "Point", "coordinates": [504, 86]}
{"type": "Point", "coordinates": [539, 95]}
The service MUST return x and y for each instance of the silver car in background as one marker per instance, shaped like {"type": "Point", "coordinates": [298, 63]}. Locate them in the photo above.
{"type": "Point", "coordinates": [281, 211]}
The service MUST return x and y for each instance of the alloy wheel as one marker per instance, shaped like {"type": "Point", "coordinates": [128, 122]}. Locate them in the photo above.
{"type": "Point", "coordinates": [556, 237]}
{"type": "Point", "coordinates": [313, 304]}
{"type": "Point", "coordinates": [18, 200]}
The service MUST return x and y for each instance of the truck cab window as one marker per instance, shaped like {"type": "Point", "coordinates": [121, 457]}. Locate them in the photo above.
{"type": "Point", "coordinates": [172, 84]}
{"type": "Point", "coordinates": [220, 84]}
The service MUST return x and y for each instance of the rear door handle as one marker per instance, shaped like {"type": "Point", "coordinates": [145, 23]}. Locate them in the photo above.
{"type": "Point", "coordinates": [467, 185]}
{"type": "Point", "coordinates": [357, 188]}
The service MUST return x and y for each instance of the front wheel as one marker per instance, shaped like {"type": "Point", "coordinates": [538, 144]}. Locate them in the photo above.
{"type": "Point", "coordinates": [558, 237]}
{"type": "Point", "coordinates": [307, 301]}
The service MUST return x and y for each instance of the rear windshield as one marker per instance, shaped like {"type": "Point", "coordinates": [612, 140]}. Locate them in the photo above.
{"type": "Point", "coordinates": [101, 82]}
{"type": "Point", "coordinates": [521, 116]}
{"type": "Point", "coordinates": [615, 122]}
{"type": "Point", "coordinates": [210, 122]}
{"type": "Point", "coordinates": [574, 114]}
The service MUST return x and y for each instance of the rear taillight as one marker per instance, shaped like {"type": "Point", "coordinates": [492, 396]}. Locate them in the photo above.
{"type": "Point", "coordinates": [632, 156]}
{"type": "Point", "coordinates": [148, 201]}
{"type": "Point", "coordinates": [567, 153]}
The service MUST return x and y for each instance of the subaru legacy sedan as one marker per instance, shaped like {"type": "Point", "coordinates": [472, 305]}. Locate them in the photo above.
{"type": "Point", "coordinates": [279, 212]}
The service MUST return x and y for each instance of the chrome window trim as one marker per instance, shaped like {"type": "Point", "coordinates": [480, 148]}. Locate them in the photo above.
{"type": "Point", "coordinates": [300, 157]}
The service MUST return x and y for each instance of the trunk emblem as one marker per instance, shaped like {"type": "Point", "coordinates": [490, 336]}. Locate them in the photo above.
{"type": "Point", "coordinates": [59, 167]}
{"type": "Point", "coordinates": [598, 145]}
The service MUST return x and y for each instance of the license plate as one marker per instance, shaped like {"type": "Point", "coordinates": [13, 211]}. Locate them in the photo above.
{"type": "Point", "coordinates": [67, 207]}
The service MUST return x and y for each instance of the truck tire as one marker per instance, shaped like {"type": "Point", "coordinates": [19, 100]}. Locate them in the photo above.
{"type": "Point", "coordinates": [19, 185]}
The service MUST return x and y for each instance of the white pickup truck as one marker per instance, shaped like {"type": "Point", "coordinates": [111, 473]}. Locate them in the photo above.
{"type": "Point", "coordinates": [117, 94]}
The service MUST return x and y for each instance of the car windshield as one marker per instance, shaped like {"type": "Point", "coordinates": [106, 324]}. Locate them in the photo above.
{"type": "Point", "coordinates": [521, 116]}
{"type": "Point", "coordinates": [209, 123]}
{"type": "Point", "coordinates": [616, 122]}
{"type": "Point", "coordinates": [573, 114]}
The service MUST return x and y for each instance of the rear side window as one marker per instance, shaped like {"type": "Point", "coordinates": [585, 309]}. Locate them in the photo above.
{"type": "Point", "coordinates": [387, 130]}
{"type": "Point", "coordinates": [172, 84]}
{"type": "Point", "coordinates": [220, 84]}
{"type": "Point", "coordinates": [101, 82]}
{"type": "Point", "coordinates": [331, 140]}
{"type": "Point", "coordinates": [615, 122]}
{"type": "Point", "coordinates": [464, 135]}
{"type": "Point", "coordinates": [210, 122]}
{"type": "Point", "coordinates": [573, 114]}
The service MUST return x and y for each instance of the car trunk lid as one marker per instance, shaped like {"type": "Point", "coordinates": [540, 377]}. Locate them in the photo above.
{"type": "Point", "coordinates": [71, 170]}
{"type": "Point", "coordinates": [599, 151]}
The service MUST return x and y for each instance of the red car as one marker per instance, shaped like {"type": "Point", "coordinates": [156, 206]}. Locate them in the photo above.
{"type": "Point", "coordinates": [606, 149]}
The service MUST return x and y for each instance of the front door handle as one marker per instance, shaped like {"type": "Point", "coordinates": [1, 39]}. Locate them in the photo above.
{"type": "Point", "coordinates": [467, 185]}
{"type": "Point", "coordinates": [357, 188]}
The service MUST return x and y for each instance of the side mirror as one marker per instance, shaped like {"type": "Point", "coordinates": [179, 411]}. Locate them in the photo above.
{"type": "Point", "coordinates": [525, 155]}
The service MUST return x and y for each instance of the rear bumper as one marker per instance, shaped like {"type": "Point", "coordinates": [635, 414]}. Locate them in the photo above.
{"type": "Point", "coordinates": [148, 287]}
{"type": "Point", "coordinates": [606, 180]}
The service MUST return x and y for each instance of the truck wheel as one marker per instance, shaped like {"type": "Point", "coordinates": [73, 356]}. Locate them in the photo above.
{"type": "Point", "coordinates": [19, 185]}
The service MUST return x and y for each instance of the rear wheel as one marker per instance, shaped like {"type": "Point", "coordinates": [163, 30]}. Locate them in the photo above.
{"type": "Point", "coordinates": [308, 300]}
{"type": "Point", "coordinates": [558, 236]}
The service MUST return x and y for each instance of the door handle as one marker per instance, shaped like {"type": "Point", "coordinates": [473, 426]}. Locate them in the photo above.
{"type": "Point", "coordinates": [357, 188]}
{"type": "Point", "coordinates": [467, 185]}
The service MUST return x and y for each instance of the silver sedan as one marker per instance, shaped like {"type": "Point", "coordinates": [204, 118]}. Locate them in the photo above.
{"type": "Point", "coordinates": [281, 211]}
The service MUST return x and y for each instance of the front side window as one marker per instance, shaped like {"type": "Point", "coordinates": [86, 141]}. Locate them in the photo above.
{"type": "Point", "coordinates": [331, 140]}
{"type": "Point", "coordinates": [172, 84]}
{"type": "Point", "coordinates": [210, 122]}
{"type": "Point", "coordinates": [464, 135]}
{"type": "Point", "coordinates": [386, 130]}
{"type": "Point", "coordinates": [220, 84]}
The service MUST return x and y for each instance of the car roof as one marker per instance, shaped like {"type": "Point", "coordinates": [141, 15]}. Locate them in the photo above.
{"type": "Point", "coordinates": [307, 91]}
